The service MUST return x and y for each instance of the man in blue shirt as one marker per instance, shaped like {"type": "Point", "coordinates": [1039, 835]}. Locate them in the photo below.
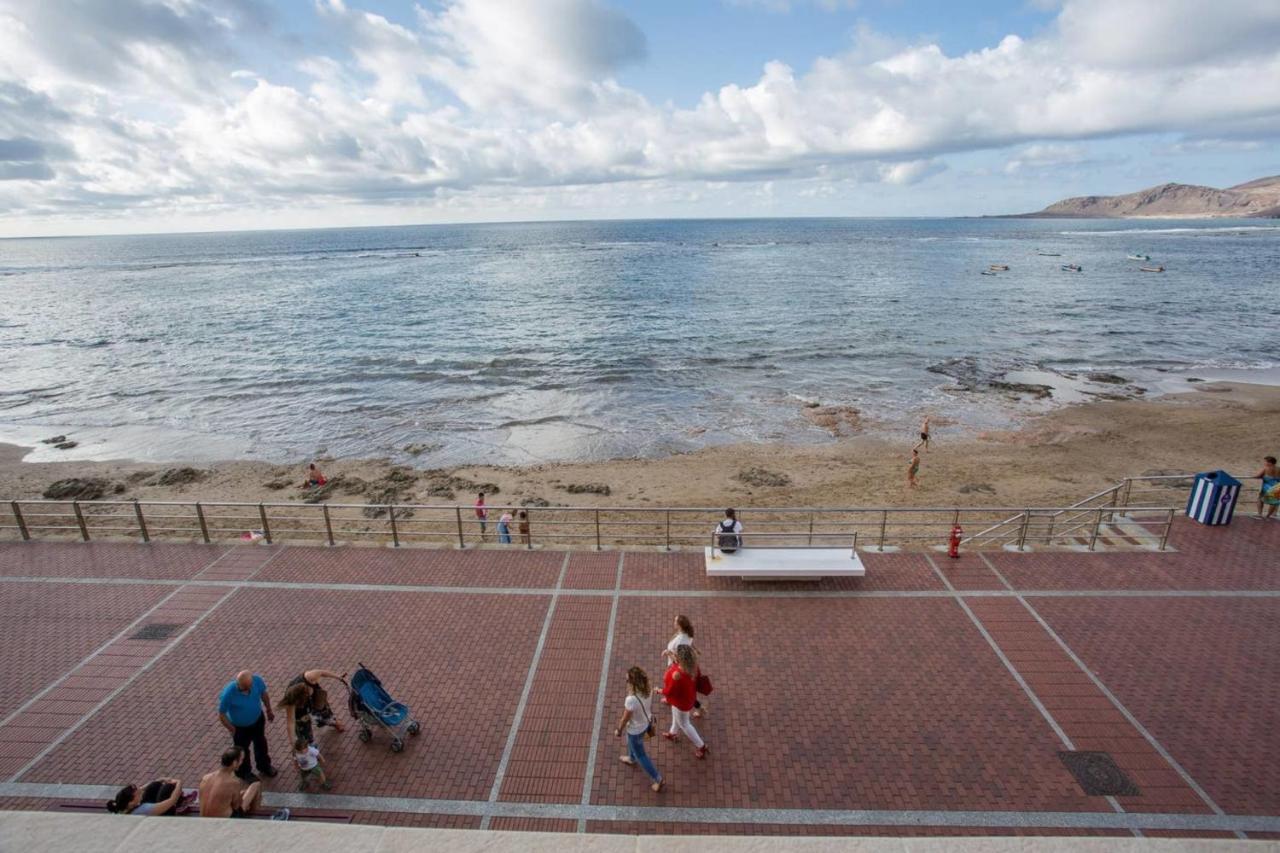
{"type": "Point", "coordinates": [240, 709]}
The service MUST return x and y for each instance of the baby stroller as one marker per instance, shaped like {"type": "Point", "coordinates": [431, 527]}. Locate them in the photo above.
{"type": "Point", "coordinates": [371, 706]}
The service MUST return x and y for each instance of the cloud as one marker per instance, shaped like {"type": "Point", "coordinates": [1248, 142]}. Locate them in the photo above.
{"type": "Point", "coordinates": [785, 6]}
{"type": "Point", "coordinates": [146, 107]}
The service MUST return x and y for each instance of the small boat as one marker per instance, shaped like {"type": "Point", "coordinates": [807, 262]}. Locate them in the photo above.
{"type": "Point", "coordinates": [1151, 269]}
{"type": "Point", "coordinates": [1138, 257]}
{"type": "Point", "coordinates": [986, 272]}
{"type": "Point", "coordinates": [999, 267]}
{"type": "Point", "coordinates": [1072, 268]}
{"type": "Point", "coordinates": [1049, 254]}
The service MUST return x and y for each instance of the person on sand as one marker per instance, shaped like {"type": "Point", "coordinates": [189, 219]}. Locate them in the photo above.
{"type": "Point", "coordinates": [680, 691]}
{"type": "Point", "coordinates": [241, 706]}
{"type": "Point", "coordinates": [504, 528]}
{"type": "Point", "coordinates": [523, 515]}
{"type": "Point", "coordinates": [305, 703]}
{"type": "Point", "coordinates": [315, 478]}
{"type": "Point", "coordinates": [684, 637]}
{"type": "Point", "coordinates": [637, 719]}
{"type": "Point", "coordinates": [161, 797]}
{"type": "Point", "coordinates": [913, 469]}
{"type": "Point", "coordinates": [224, 794]}
{"type": "Point", "coordinates": [1269, 494]}
{"type": "Point", "coordinates": [924, 434]}
{"type": "Point", "coordinates": [482, 514]}
{"type": "Point", "coordinates": [729, 532]}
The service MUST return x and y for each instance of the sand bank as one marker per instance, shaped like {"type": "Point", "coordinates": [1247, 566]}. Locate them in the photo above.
{"type": "Point", "coordinates": [1054, 459]}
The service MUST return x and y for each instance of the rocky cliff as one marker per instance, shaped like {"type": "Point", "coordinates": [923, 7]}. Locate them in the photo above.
{"type": "Point", "coordinates": [1260, 198]}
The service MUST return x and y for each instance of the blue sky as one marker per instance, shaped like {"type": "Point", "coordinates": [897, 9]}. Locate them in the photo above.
{"type": "Point", "coordinates": [145, 115]}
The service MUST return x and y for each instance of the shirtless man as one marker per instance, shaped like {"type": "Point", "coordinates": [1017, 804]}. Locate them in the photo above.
{"type": "Point", "coordinates": [924, 434]}
{"type": "Point", "coordinates": [224, 794]}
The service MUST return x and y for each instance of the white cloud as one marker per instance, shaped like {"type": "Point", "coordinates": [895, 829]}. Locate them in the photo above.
{"type": "Point", "coordinates": [485, 99]}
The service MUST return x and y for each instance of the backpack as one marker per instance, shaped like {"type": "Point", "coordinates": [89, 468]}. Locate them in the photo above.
{"type": "Point", "coordinates": [727, 540]}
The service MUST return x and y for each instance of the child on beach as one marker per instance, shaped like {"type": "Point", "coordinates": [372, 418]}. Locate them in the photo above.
{"type": "Point", "coordinates": [482, 514]}
{"type": "Point", "coordinates": [913, 469]}
{"type": "Point", "coordinates": [524, 527]}
{"type": "Point", "coordinates": [1269, 494]}
{"type": "Point", "coordinates": [315, 479]}
{"type": "Point", "coordinates": [504, 528]}
{"type": "Point", "coordinates": [311, 765]}
{"type": "Point", "coordinates": [637, 719]}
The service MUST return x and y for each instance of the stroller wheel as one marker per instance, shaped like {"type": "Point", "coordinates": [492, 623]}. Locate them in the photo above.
{"type": "Point", "coordinates": [414, 727]}
{"type": "Point", "coordinates": [397, 745]}
{"type": "Point", "coordinates": [365, 735]}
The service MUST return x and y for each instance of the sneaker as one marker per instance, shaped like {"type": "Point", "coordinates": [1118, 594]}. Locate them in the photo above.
{"type": "Point", "coordinates": [326, 786]}
{"type": "Point", "coordinates": [248, 779]}
{"type": "Point", "coordinates": [283, 814]}
{"type": "Point", "coordinates": [270, 772]}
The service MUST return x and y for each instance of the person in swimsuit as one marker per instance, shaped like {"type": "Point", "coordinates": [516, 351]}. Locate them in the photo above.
{"type": "Point", "coordinates": [1269, 494]}
{"type": "Point", "coordinates": [523, 517]}
{"type": "Point", "coordinates": [924, 434]}
{"type": "Point", "coordinates": [305, 703]}
{"type": "Point", "coordinates": [913, 469]}
{"type": "Point", "coordinates": [315, 479]}
{"type": "Point", "coordinates": [224, 794]}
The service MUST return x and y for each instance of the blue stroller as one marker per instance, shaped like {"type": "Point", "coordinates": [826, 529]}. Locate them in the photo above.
{"type": "Point", "coordinates": [372, 706]}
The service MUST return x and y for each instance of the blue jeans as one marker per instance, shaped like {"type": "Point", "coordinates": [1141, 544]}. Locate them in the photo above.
{"type": "Point", "coordinates": [635, 748]}
{"type": "Point", "coordinates": [504, 534]}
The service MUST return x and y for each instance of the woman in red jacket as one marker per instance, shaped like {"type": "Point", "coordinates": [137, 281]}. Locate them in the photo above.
{"type": "Point", "coordinates": [679, 689]}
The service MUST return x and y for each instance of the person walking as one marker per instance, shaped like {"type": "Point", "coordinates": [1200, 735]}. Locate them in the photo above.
{"type": "Point", "coordinates": [924, 434]}
{"type": "Point", "coordinates": [1269, 493]}
{"type": "Point", "coordinates": [637, 720]}
{"type": "Point", "coordinates": [913, 469]}
{"type": "Point", "coordinates": [482, 514]}
{"type": "Point", "coordinates": [684, 637]}
{"type": "Point", "coordinates": [241, 708]}
{"type": "Point", "coordinates": [680, 692]}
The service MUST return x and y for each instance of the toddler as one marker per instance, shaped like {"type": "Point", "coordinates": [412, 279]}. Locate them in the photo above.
{"type": "Point", "coordinates": [310, 765]}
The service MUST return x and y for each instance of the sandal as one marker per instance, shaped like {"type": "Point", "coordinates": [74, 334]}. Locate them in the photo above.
{"type": "Point", "coordinates": [656, 786]}
{"type": "Point", "coordinates": [701, 752]}
{"type": "Point", "coordinates": [670, 736]}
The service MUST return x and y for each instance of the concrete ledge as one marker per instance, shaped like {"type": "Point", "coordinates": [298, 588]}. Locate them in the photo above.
{"type": "Point", "coordinates": [50, 832]}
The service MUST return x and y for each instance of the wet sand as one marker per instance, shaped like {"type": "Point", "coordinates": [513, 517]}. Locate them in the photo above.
{"type": "Point", "coordinates": [1053, 460]}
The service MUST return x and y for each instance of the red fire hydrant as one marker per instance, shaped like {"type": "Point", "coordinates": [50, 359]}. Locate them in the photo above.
{"type": "Point", "coordinates": [956, 533]}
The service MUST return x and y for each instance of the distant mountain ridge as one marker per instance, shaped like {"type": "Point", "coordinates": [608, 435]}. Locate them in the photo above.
{"type": "Point", "coordinates": [1260, 198]}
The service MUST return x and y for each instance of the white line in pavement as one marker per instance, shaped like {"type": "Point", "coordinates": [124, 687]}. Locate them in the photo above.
{"type": "Point", "coordinates": [604, 678]}
{"type": "Point", "coordinates": [524, 694]}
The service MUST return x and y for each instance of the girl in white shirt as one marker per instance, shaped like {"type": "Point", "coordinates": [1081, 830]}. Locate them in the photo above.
{"type": "Point", "coordinates": [637, 717]}
{"type": "Point", "coordinates": [683, 637]}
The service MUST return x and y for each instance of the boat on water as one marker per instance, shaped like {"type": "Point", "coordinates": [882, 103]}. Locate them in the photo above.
{"type": "Point", "coordinates": [1072, 268]}
{"type": "Point", "coordinates": [1151, 269]}
{"type": "Point", "coordinates": [999, 267]}
{"type": "Point", "coordinates": [986, 272]}
{"type": "Point", "coordinates": [1049, 254]}
{"type": "Point", "coordinates": [1138, 257]}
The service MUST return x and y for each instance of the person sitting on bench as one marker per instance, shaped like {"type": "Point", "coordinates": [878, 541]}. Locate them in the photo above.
{"type": "Point", "coordinates": [729, 533]}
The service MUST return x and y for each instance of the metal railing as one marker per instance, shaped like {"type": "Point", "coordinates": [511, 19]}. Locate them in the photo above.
{"type": "Point", "coordinates": [878, 528]}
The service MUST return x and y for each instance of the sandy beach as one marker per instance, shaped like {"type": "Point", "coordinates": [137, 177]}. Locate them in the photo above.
{"type": "Point", "coordinates": [1052, 460]}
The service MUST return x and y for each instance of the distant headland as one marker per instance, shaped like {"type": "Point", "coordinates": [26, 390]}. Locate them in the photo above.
{"type": "Point", "coordinates": [1255, 199]}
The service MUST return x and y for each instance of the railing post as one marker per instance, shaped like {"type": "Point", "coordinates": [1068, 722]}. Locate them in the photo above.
{"type": "Point", "coordinates": [22, 522]}
{"type": "Point", "coordinates": [1022, 531]}
{"type": "Point", "coordinates": [84, 528]}
{"type": "Point", "coordinates": [266, 528]}
{"type": "Point", "coordinates": [462, 543]}
{"type": "Point", "coordinates": [328, 525]}
{"type": "Point", "coordinates": [1048, 536]}
{"type": "Point", "coordinates": [811, 529]}
{"type": "Point", "coordinates": [1168, 524]}
{"type": "Point", "coordinates": [395, 534]}
{"type": "Point", "coordinates": [1097, 526]}
{"type": "Point", "coordinates": [668, 546]}
{"type": "Point", "coordinates": [597, 529]}
{"type": "Point", "coordinates": [529, 539]}
{"type": "Point", "coordinates": [204, 528]}
{"type": "Point", "coordinates": [884, 520]}
{"type": "Point", "coordinates": [1128, 490]}
{"type": "Point", "coordinates": [142, 522]}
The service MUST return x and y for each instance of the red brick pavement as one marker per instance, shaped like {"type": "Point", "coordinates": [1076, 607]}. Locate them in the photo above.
{"type": "Point", "coordinates": [592, 571]}
{"type": "Point", "coordinates": [621, 827]}
{"type": "Point", "coordinates": [1202, 674]}
{"type": "Point", "coordinates": [157, 561]}
{"type": "Point", "coordinates": [853, 703]}
{"type": "Point", "coordinates": [550, 755]}
{"type": "Point", "coordinates": [968, 572]}
{"type": "Point", "coordinates": [686, 571]}
{"type": "Point", "coordinates": [417, 567]}
{"type": "Point", "coordinates": [1086, 715]}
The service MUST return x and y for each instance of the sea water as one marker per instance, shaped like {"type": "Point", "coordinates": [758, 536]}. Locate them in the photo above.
{"type": "Point", "coordinates": [519, 343]}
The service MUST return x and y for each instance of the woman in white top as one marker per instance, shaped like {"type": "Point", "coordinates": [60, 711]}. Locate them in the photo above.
{"type": "Point", "coordinates": [683, 637]}
{"type": "Point", "coordinates": [637, 719]}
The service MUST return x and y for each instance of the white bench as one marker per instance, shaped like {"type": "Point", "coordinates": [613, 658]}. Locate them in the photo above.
{"type": "Point", "coordinates": [784, 564]}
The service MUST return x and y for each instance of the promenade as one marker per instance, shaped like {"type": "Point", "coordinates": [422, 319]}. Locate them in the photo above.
{"type": "Point", "coordinates": [933, 696]}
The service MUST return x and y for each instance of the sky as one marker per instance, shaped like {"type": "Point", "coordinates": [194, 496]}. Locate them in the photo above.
{"type": "Point", "coordinates": [140, 116]}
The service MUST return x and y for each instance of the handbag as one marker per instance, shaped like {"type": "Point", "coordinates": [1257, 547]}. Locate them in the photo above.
{"type": "Point", "coordinates": [649, 731]}
{"type": "Point", "coordinates": [703, 684]}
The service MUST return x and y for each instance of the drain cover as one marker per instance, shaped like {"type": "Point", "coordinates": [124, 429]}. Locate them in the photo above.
{"type": "Point", "coordinates": [1098, 774]}
{"type": "Point", "coordinates": [157, 631]}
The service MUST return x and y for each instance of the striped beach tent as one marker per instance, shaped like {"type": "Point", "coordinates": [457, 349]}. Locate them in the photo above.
{"type": "Point", "coordinates": [1213, 497]}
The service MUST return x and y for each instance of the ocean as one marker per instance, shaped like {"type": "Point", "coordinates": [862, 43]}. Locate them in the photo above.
{"type": "Point", "coordinates": [523, 343]}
